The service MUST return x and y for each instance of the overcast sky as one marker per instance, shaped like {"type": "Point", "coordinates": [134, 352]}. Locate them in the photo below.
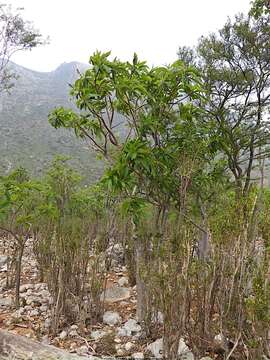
{"type": "Point", "coordinates": [152, 28]}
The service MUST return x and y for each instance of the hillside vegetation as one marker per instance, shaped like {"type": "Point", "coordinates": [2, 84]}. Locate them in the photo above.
{"type": "Point", "coordinates": [26, 138]}
{"type": "Point", "coordinates": [167, 254]}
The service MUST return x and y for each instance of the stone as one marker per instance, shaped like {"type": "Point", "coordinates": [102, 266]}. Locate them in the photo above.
{"type": "Point", "coordinates": [156, 348]}
{"type": "Point", "coordinates": [130, 328]}
{"type": "Point", "coordinates": [33, 300]}
{"type": "Point", "coordinates": [41, 286]}
{"type": "Point", "coordinates": [115, 294]}
{"type": "Point", "coordinates": [63, 335]}
{"type": "Point", "coordinates": [220, 342]}
{"type": "Point", "coordinates": [6, 302]}
{"type": "Point", "coordinates": [184, 351]}
{"type": "Point", "coordinates": [97, 334]}
{"type": "Point", "coordinates": [129, 346]}
{"type": "Point", "coordinates": [83, 350]}
{"type": "Point", "coordinates": [26, 287]}
{"type": "Point", "coordinates": [206, 358]}
{"type": "Point", "coordinates": [45, 340]}
{"type": "Point", "coordinates": [116, 254]}
{"type": "Point", "coordinates": [137, 356]}
{"type": "Point", "coordinates": [111, 318]}
{"type": "Point", "coordinates": [73, 333]}
{"type": "Point", "coordinates": [43, 308]}
{"type": "Point", "coordinates": [120, 352]}
{"type": "Point", "coordinates": [123, 281]}
{"type": "Point", "coordinates": [34, 313]}
{"type": "Point", "coordinates": [74, 327]}
{"type": "Point", "coordinates": [3, 260]}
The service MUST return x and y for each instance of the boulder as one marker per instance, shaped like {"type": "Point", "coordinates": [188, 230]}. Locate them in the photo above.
{"type": "Point", "coordinates": [18, 347]}
{"type": "Point", "coordinates": [123, 281]}
{"type": "Point", "coordinates": [97, 334]}
{"type": "Point", "coordinates": [111, 318]}
{"type": "Point", "coordinates": [130, 328]}
{"type": "Point", "coordinates": [3, 261]}
{"type": "Point", "coordinates": [115, 294]}
{"type": "Point", "coordinates": [156, 348]}
{"type": "Point", "coordinates": [6, 302]}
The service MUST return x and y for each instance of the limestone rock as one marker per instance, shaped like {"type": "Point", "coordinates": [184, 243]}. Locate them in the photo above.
{"type": "Point", "coordinates": [130, 328]}
{"type": "Point", "coordinates": [111, 318]}
{"type": "Point", "coordinates": [97, 334]}
{"type": "Point", "coordinates": [123, 281]}
{"type": "Point", "coordinates": [137, 356]}
{"type": "Point", "coordinates": [115, 294]}
{"type": "Point", "coordinates": [156, 348]}
{"type": "Point", "coordinates": [6, 302]}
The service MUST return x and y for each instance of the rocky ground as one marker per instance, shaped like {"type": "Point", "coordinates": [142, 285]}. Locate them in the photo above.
{"type": "Point", "coordinates": [118, 335]}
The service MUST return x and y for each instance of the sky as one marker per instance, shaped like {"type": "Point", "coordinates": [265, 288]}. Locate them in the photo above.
{"type": "Point", "coordinates": [154, 29]}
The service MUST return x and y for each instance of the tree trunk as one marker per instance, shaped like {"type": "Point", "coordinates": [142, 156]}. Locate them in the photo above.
{"type": "Point", "coordinates": [140, 285]}
{"type": "Point", "coordinates": [18, 275]}
{"type": "Point", "coordinates": [21, 348]}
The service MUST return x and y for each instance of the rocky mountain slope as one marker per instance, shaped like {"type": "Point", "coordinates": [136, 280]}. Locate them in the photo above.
{"type": "Point", "coordinates": [26, 137]}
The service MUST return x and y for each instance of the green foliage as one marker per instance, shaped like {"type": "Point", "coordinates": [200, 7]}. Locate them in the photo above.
{"type": "Point", "coordinates": [259, 8]}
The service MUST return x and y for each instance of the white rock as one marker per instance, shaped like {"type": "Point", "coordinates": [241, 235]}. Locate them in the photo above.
{"type": "Point", "coordinates": [73, 333]}
{"type": "Point", "coordinates": [97, 334]}
{"type": "Point", "coordinates": [74, 327]}
{"type": "Point", "coordinates": [82, 350]}
{"type": "Point", "coordinates": [34, 313]}
{"type": "Point", "coordinates": [206, 358]}
{"type": "Point", "coordinates": [111, 318]}
{"type": "Point", "coordinates": [120, 352]}
{"type": "Point", "coordinates": [123, 281]}
{"type": "Point", "coordinates": [3, 260]}
{"type": "Point", "coordinates": [41, 286]}
{"type": "Point", "coordinates": [115, 294]}
{"type": "Point", "coordinates": [220, 341]}
{"type": "Point", "coordinates": [130, 328]}
{"type": "Point", "coordinates": [129, 346]}
{"type": "Point", "coordinates": [182, 347]}
{"type": "Point", "coordinates": [137, 356]}
{"type": "Point", "coordinates": [43, 308]}
{"type": "Point", "coordinates": [63, 335]}
{"type": "Point", "coordinates": [45, 340]}
{"type": "Point", "coordinates": [6, 302]}
{"type": "Point", "coordinates": [156, 348]}
{"type": "Point", "coordinates": [25, 287]}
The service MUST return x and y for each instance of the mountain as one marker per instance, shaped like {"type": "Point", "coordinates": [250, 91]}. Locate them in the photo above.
{"type": "Point", "coordinates": [26, 137]}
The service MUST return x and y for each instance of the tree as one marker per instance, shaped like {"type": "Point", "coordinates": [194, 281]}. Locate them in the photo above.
{"type": "Point", "coordinates": [235, 64]}
{"type": "Point", "coordinates": [18, 216]}
{"type": "Point", "coordinates": [16, 34]}
{"type": "Point", "coordinates": [153, 160]}
{"type": "Point", "coordinates": [259, 8]}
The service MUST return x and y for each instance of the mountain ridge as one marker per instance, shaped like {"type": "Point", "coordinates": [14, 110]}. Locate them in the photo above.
{"type": "Point", "coordinates": [26, 137]}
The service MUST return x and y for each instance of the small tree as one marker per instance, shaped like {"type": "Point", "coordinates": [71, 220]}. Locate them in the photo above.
{"type": "Point", "coordinates": [236, 73]}
{"type": "Point", "coordinates": [18, 216]}
{"type": "Point", "coordinates": [16, 34]}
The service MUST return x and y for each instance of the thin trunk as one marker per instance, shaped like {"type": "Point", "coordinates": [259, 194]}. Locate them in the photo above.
{"type": "Point", "coordinates": [18, 274]}
{"type": "Point", "coordinates": [140, 284]}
